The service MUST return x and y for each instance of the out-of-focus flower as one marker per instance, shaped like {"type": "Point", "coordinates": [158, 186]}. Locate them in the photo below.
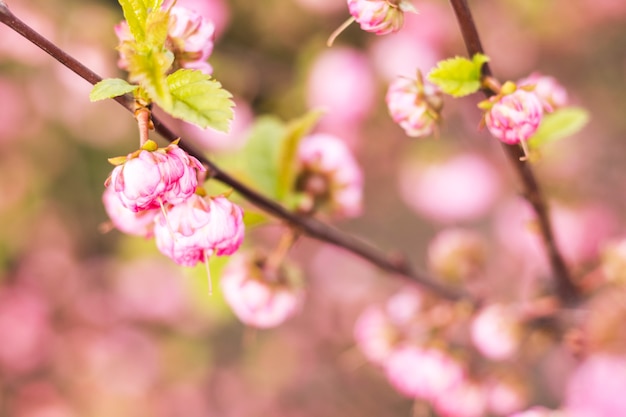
{"type": "Point", "coordinates": [614, 261]}
{"type": "Point", "coordinates": [541, 412]}
{"type": "Point", "coordinates": [380, 16]}
{"type": "Point", "coordinates": [496, 331]}
{"type": "Point", "coordinates": [423, 373]}
{"type": "Point", "coordinates": [457, 254]}
{"type": "Point", "coordinates": [198, 228]}
{"type": "Point", "coordinates": [552, 94]}
{"type": "Point", "coordinates": [134, 223]}
{"type": "Point", "coordinates": [342, 82]}
{"type": "Point", "coordinates": [151, 178]}
{"type": "Point", "coordinates": [461, 188]}
{"type": "Point", "coordinates": [465, 399]}
{"type": "Point", "coordinates": [596, 388]}
{"type": "Point", "coordinates": [414, 105]}
{"type": "Point", "coordinates": [328, 176]}
{"type": "Point", "coordinates": [506, 395]}
{"type": "Point", "coordinates": [190, 38]}
{"type": "Point", "coordinates": [260, 296]}
{"type": "Point", "coordinates": [379, 329]}
{"type": "Point", "coordinates": [24, 328]}
{"type": "Point", "coordinates": [514, 115]}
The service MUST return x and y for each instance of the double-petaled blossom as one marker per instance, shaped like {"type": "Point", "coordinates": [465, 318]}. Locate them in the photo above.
{"type": "Point", "coordinates": [191, 231]}
{"type": "Point", "coordinates": [151, 177]}
{"type": "Point", "coordinates": [552, 94]}
{"type": "Point", "coordinates": [514, 115]}
{"type": "Point", "coordinates": [414, 105]}
{"type": "Point", "coordinates": [190, 38]}
{"type": "Point", "coordinates": [134, 223]}
{"type": "Point", "coordinates": [379, 16]}
{"type": "Point", "coordinates": [328, 176]}
{"type": "Point", "coordinates": [260, 295]}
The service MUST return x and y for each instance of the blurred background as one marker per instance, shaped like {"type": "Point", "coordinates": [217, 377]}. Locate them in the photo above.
{"type": "Point", "coordinates": [101, 324]}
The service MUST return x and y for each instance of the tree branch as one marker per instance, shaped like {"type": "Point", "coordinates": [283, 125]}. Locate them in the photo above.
{"type": "Point", "coordinates": [565, 288]}
{"type": "Point", "coordinates": [307, 225]}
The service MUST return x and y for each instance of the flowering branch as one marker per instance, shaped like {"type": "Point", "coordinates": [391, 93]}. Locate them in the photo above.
{"type": "Point", "coordinates": [307, 225]}
{"type": "Point", "coordinates": [565, 288]}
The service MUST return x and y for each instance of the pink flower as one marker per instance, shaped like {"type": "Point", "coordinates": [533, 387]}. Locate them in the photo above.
{"type": "Point", "coordinates": [198, 228]}
{"type": "Point", "coordinates": [423, 373]}
{"type": "Point", "coordinates": [134, 223]}
{"type": "Point", "coordinates": [540, 412]}
{"type": "Point", "coordinates": [190, 38]}
{"type": "Point", "coordinates": [596, 389]}
{"type": "Point", "coordinates": [457, 254]}
{"type": "Point", "coordinates": [258, 296]}
{"type": "Point", "coordinates": [329, 176]}
{"type": "Point", "coordinates": [496, 332]}
{"type": "Point", "coordinates": [514, 117]}
{"type": "Point", "coordinates": [552, 94]}
{"type": "Point", "coordinates": [149, 179]}
{"type": "Point", "coordinates": [379, 16]}
{"type": "Point", "coordinates": [415, 106]}
{"type": "Point", "coordinates": [465, 399]}
{"type": "Point", "coordinates": [379, 330]}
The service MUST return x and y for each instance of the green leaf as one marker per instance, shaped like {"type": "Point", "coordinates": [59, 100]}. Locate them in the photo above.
{"type": "Point", "coordinates": [157, 23]}
{"type": "Point", "coordinates": [198, 99]}
{"type": "Point", "coordinates": [135, 13]}
{"type": "Point", "coordinates": [559, 124]}
{"type": "Point", "coordinates": [149, 69]}
{"type": "Point", "coordinates": [296, 130]}
{"type": "Point", "coordinates": [261, 154]}
{"type": "Point", "coordinates": [458, 76]}
{"type": "Point", "coordinates": [109, 88]}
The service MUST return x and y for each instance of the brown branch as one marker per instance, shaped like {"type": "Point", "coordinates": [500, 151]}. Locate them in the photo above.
{"type": "Point", "coordinates": [565, 288]}
{"type": "Point", "coordinates": [306, 225]}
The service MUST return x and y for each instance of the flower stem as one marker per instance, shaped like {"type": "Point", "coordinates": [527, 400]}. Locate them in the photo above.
{"type": "Point", "coordinates": [565, 288]}
{"type": "Point", "coordinates": [337, 32]}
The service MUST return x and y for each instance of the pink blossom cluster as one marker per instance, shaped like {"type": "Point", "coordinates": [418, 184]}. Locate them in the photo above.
{"type": "Point", "coordinates": [153, 193]}
{"type": "Point", "coordinates": [514, 115]}
{"type": "Point", "coordinates": [190, 38]}
{"type": "Point", "coordinates": [398, 337]}
{"type": "Point", "coordinates": [379, 16]}
{"type": "Point", "coordinates": [414, 105]}
{"type": "Point", "coordinates": [328, 176]}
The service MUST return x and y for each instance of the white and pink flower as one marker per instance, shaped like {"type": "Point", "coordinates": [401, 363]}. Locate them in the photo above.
{"type": "Point", "coordinates": [496, 331]}
{"type": "Point", "coordinates": [134, 223]}
{"type": "Point", "coordinates": [551, 93]}
{"type": "Point", "coordinates": [379, 16]}
{"type": "Point", "coordinates": [414, 105]}
{"type": "Point", "coordinates": [151, 178]}
{"type": "Point", "coordinates": [513, 117]}
{"type": "Point", "coordinates": [198, 228]}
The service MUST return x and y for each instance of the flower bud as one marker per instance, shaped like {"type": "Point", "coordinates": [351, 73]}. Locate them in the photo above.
{"type": "Point", "coordinates": [198, 228]}
{"type": "Point", "coordinates": [259, 296]}
{"type": "Point", "coordinates": [415, 106]}
{"type": "Point", "coordinates": [328, 176]}
{"type": "Point", "coordinates": [379, 16]}
{"type": "Point", "coordinates": [551, 94]}
{"type": "Point", "coordinates": [148, 179]}
{"type": "Point", "coordinates": [514, 117]}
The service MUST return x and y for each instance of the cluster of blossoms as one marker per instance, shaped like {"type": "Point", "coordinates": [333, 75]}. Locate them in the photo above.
{"type": "Point", "coordinates": [152, 192]}
{"type": "Point", "coordinates": [515, 113]}
{"type": "Point", "coordinates": [404, 337]}
{"type": "Point", "coordinates": [190, 38]}
{"type": "Point", "coordinates": [414, 105]}
{"type": "Point", "coordinates": [328, 176]}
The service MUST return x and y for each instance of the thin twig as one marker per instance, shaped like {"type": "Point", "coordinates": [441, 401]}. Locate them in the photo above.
{"type": "Point", "coordinates": [307, 225]}
{"type": "Point", "coordinates": [565, 288]}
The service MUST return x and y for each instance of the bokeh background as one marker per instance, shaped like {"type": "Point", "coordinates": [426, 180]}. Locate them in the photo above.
{"type": "Point", "coordinates": [101, 324]}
